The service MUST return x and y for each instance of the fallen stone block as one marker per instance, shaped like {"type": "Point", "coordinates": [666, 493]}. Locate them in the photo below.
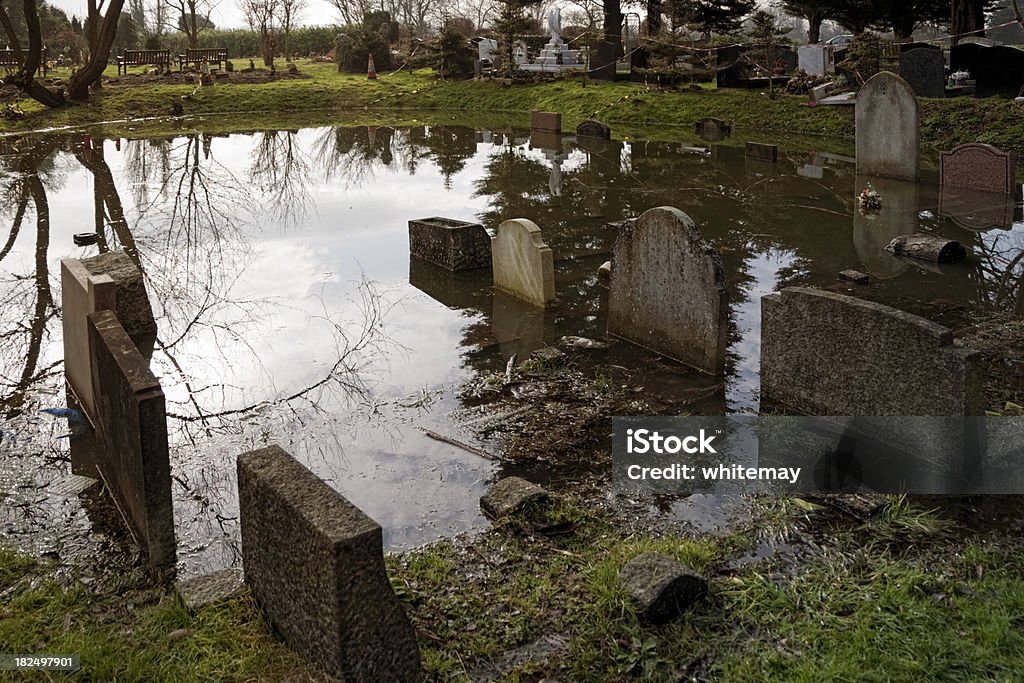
{"type": "Point", "coordinates": [662, 587]}
{"type": "Point", "coordinates": [509, 496]}
{"type": "Point", "coordinates": [927, 247]}
{"type": "Point", "coordinates": [855, 276]}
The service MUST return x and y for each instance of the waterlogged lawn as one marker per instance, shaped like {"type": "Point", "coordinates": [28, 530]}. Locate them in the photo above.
{"type": "Point", "coordinates": [945, 122]}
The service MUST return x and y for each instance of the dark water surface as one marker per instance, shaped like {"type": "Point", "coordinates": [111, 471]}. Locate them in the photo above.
{"type": "Point", "coordinates": [289, 311]}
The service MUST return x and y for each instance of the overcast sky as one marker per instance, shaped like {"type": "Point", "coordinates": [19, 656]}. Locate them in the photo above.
{"type": "Point", "coordinates": [226, 14]}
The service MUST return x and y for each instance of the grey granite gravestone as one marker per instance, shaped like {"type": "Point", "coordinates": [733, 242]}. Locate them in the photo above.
{"type": "Point", "coordinates": [667, 290]}
{"type": "Point", "coordinates": [523, 264]}
{"type": "Point", "coordinates": [134, 311]}
{"type": "Point", "coordinates": [887, 128]}
{"type": "Point", "coordinates": [815, 60]}
{"type": "Point", "coordinates": [131, 427]}
{"type": "Point", "coordinates": [315, 564]}
{"type": "Point", "coordinates": [81, 294]}
{"type": "Point", "coordinates": [594, 129]}
{"type": "Point", "coordinates": [925, 70]}
{"type": "Point", "coordinates": [452, 244]}
{"type": "Point", "coordinates": [824, 353]}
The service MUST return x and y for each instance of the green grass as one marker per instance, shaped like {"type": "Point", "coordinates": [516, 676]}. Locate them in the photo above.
{"type": "Point", "coordinates": [124, 637]}
{"type": "Point", "coordinates": [631, 108]}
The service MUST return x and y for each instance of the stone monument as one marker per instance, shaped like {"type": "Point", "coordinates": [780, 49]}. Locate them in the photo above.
{"type": "Point", "coordinates": [888, 128]}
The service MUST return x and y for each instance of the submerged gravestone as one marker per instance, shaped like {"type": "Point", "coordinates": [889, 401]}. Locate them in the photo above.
{"type": "Point", "coordinates": [824, 353]}
{"type": "Point", "coordinates": [667, 290]}
{"type": "Point", "coordinates": [980, 167]}
{"type": "Point", "coordinates": [924, 68]}
{"type": "Point", "coordinates": [546, 121]}
{"type": "Point", "coordinates": [315, 564]}
{"type": "Point", "coordinates": [81, 294]}
{"type": "Point", "coordinates": [887, 128]}
{"type": "Point", "coordinates": [451, 244]}
{"type": "Point", "coordinates": [134, 311]}
{"type": "Point", "coordinates": [712, 129]}
{"type": "Point", "coordinates": [523, 264]}
{"type": "Point", "coordinates": [131, 427]}
{"type": "Point", "coordinates": [762, 152]}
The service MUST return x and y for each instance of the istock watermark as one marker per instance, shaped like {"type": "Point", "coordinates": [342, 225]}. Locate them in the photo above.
{"type": "Point", "coordinates": [789, 454]}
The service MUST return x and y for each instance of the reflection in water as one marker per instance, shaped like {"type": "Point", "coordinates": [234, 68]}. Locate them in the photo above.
{"type": "Point", "coordinates": [289, 310]}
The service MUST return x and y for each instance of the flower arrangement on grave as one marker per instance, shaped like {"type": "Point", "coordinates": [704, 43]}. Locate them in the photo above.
{"type": "Point", "coordinates": [870, 200]}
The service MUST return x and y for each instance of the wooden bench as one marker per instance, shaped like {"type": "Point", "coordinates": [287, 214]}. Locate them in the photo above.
{"type": "Point", "coordinates": [159, 58]}
{"type": "Point", "coordinates": [211, 55]}
{"type": "Point", "coordinates": [9, 61]}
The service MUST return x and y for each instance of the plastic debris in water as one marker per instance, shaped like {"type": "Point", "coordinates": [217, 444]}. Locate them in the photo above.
{"type": "Point", "coordinates": [69, 413]}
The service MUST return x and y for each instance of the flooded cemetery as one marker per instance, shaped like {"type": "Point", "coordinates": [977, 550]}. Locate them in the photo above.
{"type": "Point", "coordinates": [416, 312]}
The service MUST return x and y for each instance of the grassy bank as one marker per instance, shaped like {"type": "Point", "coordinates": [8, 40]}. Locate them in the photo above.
{"type": "Point", "coordinates": [802, 592]}
{"type": "Point", "coordinates": [321, 90]}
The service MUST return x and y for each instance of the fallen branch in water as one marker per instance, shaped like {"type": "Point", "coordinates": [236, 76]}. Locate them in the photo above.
{"type": "Point", "coordinates": [463, 446]}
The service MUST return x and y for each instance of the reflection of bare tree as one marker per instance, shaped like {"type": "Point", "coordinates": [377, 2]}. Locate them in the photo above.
{"type": "Point", "coordinates": [1001, 270]}
{"type": "Point", "coordinates": [347, 154]}
{"type": "Point", "coordinates": [146, 162]}
{"type": "Point", "coordinates": [281, 171]}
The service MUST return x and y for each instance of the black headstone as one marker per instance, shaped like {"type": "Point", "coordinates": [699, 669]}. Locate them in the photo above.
{"type": "Point", "coordinates": [925, 70]}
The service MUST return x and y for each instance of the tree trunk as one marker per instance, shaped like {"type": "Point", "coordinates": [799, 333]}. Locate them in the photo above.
{"type": "Point", "coordinates": [81, 80]}
{"type": "Point", "coordinates": [927, 247]}
{"type": "Point", "coordinates": [653, 17]}
{"type": "Point", "coordinates": [12, 36]}
{"type": "Point", "coordinates": [814, 23]}
{"type": "Point", "coordinates": [968, 16]}
{"type": "Point", "coordinates": [25, 79]}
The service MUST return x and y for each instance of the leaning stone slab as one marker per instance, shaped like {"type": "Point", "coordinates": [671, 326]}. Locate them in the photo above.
{"type": "Point", "coordinates": [509, 496]}
{"type": "Point", "coordinates": [824, 353]}
{"type": "Point", "coordinates": [315, 564]}
{"type": "Point", "coordinates": [887, 128]}
{"type": "Point", "coordinates": [131, 428]}
{"type": "Point", "coordinates": [661, 587]}
{"type": "Point", "coordinates": [451, 244]}
{"type": "Point", "coordinates": [212, 588]}
{"type": "Point", "coordinates": [926, 247]}
{"type": "Point", "coordinates": [81, 294]}
{"type": "Point", "coordinates": [667, 290]}
{"type": "Point", "coordinates": [524, 265]}
{"type": "Point", "coordinates": [978, 167]}
{"type": "Point", "coordinates": [134, 311]}
{"type": "Point", "coordinates": [594, 129]}
{"type": "Point", "coordinates": [546, 121]}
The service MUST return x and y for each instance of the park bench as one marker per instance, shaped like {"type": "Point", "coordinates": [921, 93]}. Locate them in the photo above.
{"type": "Point", "coordinates": [158, 58]}
{"type": "Point", "coordinates": [9, 60]}
{"type": "Point", "coordinates": [211, 55]}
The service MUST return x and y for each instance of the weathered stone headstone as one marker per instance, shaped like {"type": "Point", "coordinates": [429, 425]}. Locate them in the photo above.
{"type": "Point", "coordinates": [762, 152]}
{"type": "Point", "coordinates": [548, 121]}
{"type": "Point", "coordinates": [315, 564]}
{"type": "Point", "coordinates": [667, 290]}
{"type": "Point", "coordinates": [510, 495]}
{"type": "Point", "coordinates": [450, 243]}
{"type": "Point", "coordinates": [924, 69]}
{"type": "Point", "coordinates": [712, 129]}
{"type": "Point", "coordinates": [594, 129]}
{"type": "Point", "coordinates": [81, 294]}
{"type": "Point", "coordinates": [134, 311]}
{"type": "Point", "coordinates": [978, 167]}
{"type": "Point", "coordinates": [815, 60]}
{"type": "Point", "coordinates": [824, 353]}
{"type": "Point", "coordinates": [131, 427]}
{"type": "Point", "coordinates": [888, 129]}
{"type": "Point", "coordinates": [524, 265]}
{"type": "Point", "coordinates": [661, 587]}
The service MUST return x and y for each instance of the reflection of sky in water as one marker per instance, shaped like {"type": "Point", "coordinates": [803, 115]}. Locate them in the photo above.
{"type": "Point", "coordinates": [257, 295]}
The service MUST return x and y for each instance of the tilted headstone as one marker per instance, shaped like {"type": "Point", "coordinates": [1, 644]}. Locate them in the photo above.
{"type": "Point", "coordinates": [134, 311]}
{"type": "Point", "coordinates": [315, 564]}
{"type": "Point", "coordinates": [546, 121]}
{"type": "Point", "coordinates": [978, 167]}
{"type": "Point", "coordinates": [925, 70]}
{"type": "Point", "coordinates": [667, 290]}
{"type": "Point", "coordinates": [888, 129]}
{"type": "Point", "coordinates": [81, 294]}
{"type": "Point", "coordinates": [523, 264]}
{"type": "Point", "coordinates": [452, 244]}
{"type": "Point", "coordinates": [131, 427]}
{"type": "Point", "coordinates": [824, 353]}
{"type": "Point", "coordinates": [594, 129]}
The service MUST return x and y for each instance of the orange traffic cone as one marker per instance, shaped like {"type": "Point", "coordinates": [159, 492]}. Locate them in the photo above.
{"type": "Point", "coordinates": [371, 73]}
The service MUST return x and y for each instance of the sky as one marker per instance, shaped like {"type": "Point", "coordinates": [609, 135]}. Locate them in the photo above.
{"type": "Point", "coordinates": [226, 14]}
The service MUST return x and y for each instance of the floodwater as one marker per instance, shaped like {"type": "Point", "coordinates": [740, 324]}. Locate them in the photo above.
{"type": "Point", "coordinates": [289, 311]}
